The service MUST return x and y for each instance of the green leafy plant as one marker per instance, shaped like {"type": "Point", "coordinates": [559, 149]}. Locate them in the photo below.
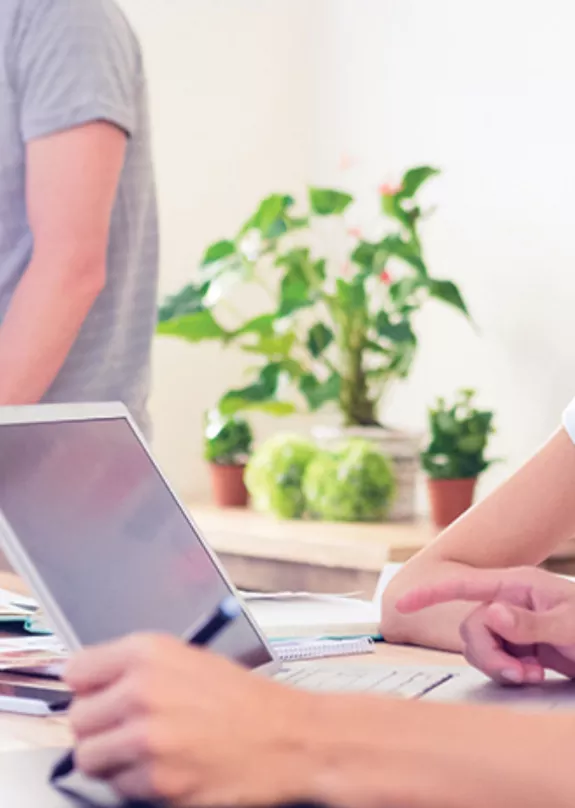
{"type": "Point", "coordinates": [328, 334]}
{"type": "Point", "coordinates": [275, 473]}
{"type": "Point", "coordinates": [227, 441]}
{"type": "Point", "coordinates": [459, 437]}
{"type": "Point", "coordinates": [354, 483]}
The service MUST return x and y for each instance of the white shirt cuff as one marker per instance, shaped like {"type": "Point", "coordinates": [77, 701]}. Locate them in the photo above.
{"type": "Point", "coordinates": [569, 420]}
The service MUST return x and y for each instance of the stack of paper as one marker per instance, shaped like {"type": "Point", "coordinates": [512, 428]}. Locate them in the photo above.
{"type": "Point", "coordinates": [43, 655]}
{"type": "Point", "coordinates": [308, 615]}
{"type": "Point", "coordinates": [305, 614]}
{"type": "Point", "coordinates": [15, 608]}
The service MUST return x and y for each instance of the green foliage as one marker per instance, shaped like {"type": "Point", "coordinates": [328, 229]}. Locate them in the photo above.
{"type": "Point", "coordinates": [274, 475]}
{"type": "Point", "coordinates": [324, 337]}
{"type": "Point", "coordinates": [227, 441]}
{"type": "Point", "coordinates": [355, 483]}
{"type": "Point", "coordinates": [459, 437]}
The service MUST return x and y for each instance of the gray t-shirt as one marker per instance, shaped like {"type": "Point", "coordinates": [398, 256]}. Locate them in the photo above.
{"type": "Point", "coordinates": [64, 63]}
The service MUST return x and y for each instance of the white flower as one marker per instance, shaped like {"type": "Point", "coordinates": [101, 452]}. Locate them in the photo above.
{"type": "Point", "coordinates": [251, 245]}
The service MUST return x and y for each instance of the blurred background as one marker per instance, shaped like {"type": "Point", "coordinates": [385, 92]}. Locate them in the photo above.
{"type": "Point", "coordinates": [252, 97]}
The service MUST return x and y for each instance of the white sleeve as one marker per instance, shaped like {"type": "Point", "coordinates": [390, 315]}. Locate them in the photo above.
{"type": "Point", "coordinates": [569, 420]}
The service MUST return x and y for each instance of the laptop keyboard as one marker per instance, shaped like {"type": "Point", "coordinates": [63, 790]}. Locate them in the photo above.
{"type": "Point", "coordinates": [406, 682]}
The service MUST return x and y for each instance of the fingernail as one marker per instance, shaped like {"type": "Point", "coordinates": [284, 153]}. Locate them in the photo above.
{"type": "Point", "coordinates": [512, 676]}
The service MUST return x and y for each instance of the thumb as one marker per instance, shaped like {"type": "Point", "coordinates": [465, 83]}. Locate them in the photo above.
{"type": "Point", "coordinates": [525, 627]}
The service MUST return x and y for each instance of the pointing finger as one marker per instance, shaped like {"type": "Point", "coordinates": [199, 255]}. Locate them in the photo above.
{"type": "Point", "coordinates": [483, 587]}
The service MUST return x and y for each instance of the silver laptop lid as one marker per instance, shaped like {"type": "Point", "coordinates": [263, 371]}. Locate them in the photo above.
{"type": "Point", "coordinates": [91, 523]}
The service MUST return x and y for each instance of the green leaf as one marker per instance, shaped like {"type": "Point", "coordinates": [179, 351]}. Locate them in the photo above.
{"type": "Point", "coordinates": [370, 345]}
{"type": "Point", "coordinates": [318, 339]}
{"type": "Point", "coordinates": [405, 250]}
{"type": "Point", "coordinates": [319, 269]}
{"type": "Point", "coordinates": [298, 223]}
{"type": "Point", "coordinates": [371, 257]}
{"type": "Point", "coordinates": [319, 393]}
{"type": "Point", "coordinates": [326, 202]}
{"type": "Point", "coordinates": [364, 254]}
{"type": "Point", "coordinates": [294, 295]}
{"type": "Point", "coordinates": [262, 325]}
{"type": "Point", "coordinates": [278, 345]}
{"type": "Point", "coordinates": [263, 389]}
{"type": "Point", "coordinates": [193, 327]}
{"type": "Point", "coordinates": [401, 363]}
{"type": "Point", "coordinates": [226, 440]}
{"type": "Point", "coordinates": [448, 292]}
{"type": "Point", "coordinates": [391, 206]}
{"type": "Point", "coordinates": [350, 296]}
{"type": "Point", "coordinates": [260, 395]}
{"type": "Point", "coordinates": [396, 332]}
{"type": "Point", "coordinates": [188, 301]}
{"type": "Point", "coordinates": [217, 251]}
{"type": "Point", "coordinates": [402, 291]}
{"type": "Point", "coordinates": [292, 368]}
{"type": "Point", "coordinates": [471, 444]}
{"type": "Point", "coordinates": [295, 287]}
{"type": "Point", "coordinates": [414, 179]}
{"type": "Point", "coordinates": [271, 218]}
{"type": "Point", "coordinates": [230, 406]}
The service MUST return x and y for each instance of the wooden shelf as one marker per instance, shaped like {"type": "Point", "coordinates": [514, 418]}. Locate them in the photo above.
{"type": "Point", "coordinates": [266, 554]}
{"type": "Point", "coordinates": [263, 553]}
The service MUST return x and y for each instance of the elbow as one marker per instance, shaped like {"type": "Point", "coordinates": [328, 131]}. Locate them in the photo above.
{"type": "Point", "coordinates": [85, 275]}
{"type": "Point", "coordinates": [79, 274]}
{"type": "Point", "coordinates": [91, 282]}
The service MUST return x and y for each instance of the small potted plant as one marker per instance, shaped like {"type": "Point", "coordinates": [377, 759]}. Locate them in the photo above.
{"type": "Point", "coordinates": [227, 447]}
{"type": "Point", "coordinates": [455, 456]}
{"type": "Point", "coordinates": [336, 328]}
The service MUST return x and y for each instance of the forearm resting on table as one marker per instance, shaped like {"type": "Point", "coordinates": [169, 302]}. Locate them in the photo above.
{"type": "Point", "coordinates": [519, 524]}
{"type": "Point", "coordinates": [45, 315]}
{"type": "Point", "coordinates": [374, 752]}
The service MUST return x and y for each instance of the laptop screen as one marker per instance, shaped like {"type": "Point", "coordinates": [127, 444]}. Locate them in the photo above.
{"type": "Point", "coordinates": [108, 538]}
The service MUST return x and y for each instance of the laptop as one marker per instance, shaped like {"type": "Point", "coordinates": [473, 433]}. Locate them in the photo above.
{"type": "Point", "coordinates": [90, 522]}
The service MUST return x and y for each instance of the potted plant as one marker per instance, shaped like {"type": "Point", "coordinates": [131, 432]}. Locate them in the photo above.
{"type": "Point", "coordinates": [337, 330]}
{"type": "Point", "coordinates": [455, 456]}
{"type": "Point", "coordinates": [227, 446]}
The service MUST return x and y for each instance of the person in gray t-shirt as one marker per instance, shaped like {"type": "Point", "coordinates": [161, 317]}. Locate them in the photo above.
{"type": "Point", "coordinates": [78, 221]}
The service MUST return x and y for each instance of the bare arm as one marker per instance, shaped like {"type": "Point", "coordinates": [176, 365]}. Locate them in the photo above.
{"type": "Point", "coordinates": [374, 752]}
{"type": "Point", "coordinates": [519, 524]}
{"type": "Point", "coordinates": [159, 720]}
{"type": "Point", "coordinates": [72, 179]}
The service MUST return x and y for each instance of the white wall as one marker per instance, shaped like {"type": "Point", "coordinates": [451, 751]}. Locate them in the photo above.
{"type": "Point", "coordinates": [251, 96]}
{"type": "Point", "coordinates": [484, 91]}
{"type": "Point", "coordinates": [229, 82]}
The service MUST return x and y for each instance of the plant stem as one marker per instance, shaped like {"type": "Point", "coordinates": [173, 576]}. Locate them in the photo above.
{"type": "Point", "coordinates": [357, 406]}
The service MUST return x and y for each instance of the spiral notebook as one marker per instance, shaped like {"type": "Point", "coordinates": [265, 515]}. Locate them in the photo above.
{"type": "Point", "coordinates": [299, 650]}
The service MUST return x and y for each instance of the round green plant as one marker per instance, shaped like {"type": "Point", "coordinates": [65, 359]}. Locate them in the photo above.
{"type": "Point", "coordinates": [275, 473]}
{"type": "Point", "coordinates": [354, 483]}
{"type": "Point", "coordinates": [227, 441]}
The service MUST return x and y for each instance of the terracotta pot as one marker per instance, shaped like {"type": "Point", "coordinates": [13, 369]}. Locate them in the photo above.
{"type": "Point", "coordinates": [228, 486]}
{"type": "Point", "coordinates": [449, 499]}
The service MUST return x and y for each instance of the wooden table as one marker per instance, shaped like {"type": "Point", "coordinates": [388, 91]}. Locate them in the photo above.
{"type": "Point", "coordinates": [27, 732]}
{"type": "Point", "coordinates": [266, 554]}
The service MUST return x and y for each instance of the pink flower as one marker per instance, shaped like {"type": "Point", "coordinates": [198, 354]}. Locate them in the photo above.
{"type": "Point", "coordinates": [385, 277]}
{"type": "Point", "coordinates": [346, 161]}
{"type": "Point", "coordinates": [389, 190]}
{"type": "Point", "coordinates": [346, 268]}
{"type": "Point", "coordinates": [354, 232]}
